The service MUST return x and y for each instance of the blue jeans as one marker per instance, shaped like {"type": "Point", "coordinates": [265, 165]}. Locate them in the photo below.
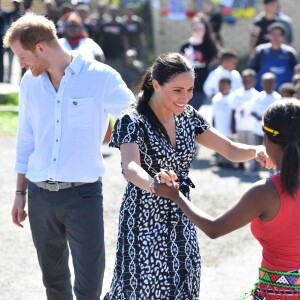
{"type": "Point", "coordinates": [74, 217]}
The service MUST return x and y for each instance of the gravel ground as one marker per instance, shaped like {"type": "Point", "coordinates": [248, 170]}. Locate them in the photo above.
{"type": "Point", "coordinates": [229, 263]}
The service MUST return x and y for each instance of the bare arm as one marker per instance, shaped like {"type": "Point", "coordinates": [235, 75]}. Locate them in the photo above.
{"type": "Point", "coordinates": [134, 173]}
{"type": "Point", "coordinates": [235, 152]}
{"type": "Point", "coordinates": [262, 200]}
{"type": "Point", "coordinates": [131, 164]}
{"type": "Point", "coordinates": [18, 212]}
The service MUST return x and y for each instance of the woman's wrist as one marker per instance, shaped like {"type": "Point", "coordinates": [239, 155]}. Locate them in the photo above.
{"type": "Point", "coordinates": [151, 186]}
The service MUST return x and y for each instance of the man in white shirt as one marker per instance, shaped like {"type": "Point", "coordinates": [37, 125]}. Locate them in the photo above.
{"type": "Point", "coordinates": [64, 109]}
{"type": "Point", "coordinates": [228, 63]}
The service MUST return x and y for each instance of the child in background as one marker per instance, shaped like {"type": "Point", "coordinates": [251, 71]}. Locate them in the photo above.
{"type": "Point", "coordinates": [227, 69]}
{"type": "Point", "coordinates": [221, 109]}
{"type": "Point", "coordinates": [286, 90]}
{"type": "Point", "coordinates": [296, 79]}
{"type": "Point", "coordinates": [242, 121]}
{"type": "Point", "coordinates": [296, 69]}
{"type": "Point", "coordinates": [266, 97]}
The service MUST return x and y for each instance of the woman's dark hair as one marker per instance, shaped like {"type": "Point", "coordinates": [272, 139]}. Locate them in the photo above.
{"type": "Point", "coordinates": [283, 116]}
{"type": "Point", "coordinates": [164, 68]}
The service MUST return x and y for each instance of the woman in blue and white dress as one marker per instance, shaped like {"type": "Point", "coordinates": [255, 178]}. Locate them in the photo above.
{"type": "Point", "coordinates": [157, 251]}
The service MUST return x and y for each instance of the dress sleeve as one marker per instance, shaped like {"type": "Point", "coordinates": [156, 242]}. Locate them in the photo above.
{"type": "Point", "coordinates": [126, 130]}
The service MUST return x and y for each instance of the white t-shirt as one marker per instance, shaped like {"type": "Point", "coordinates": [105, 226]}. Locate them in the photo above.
{"type": "Point", "coordinates": [221, 108]}
{"type": "Point", "coordinates": [242, 100]}
{"type": "Point", "coordinates": [86, 47]}
{"type": "Point", "coordinates": [259, 107]}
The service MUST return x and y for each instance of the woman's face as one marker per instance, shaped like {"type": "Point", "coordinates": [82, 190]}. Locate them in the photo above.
{"type": "Point", "coordinates": [72, 30]}
{"type": "Point", "coordinates": [175, 94]}
{"type": "Point", "coordinates": [198, 29]}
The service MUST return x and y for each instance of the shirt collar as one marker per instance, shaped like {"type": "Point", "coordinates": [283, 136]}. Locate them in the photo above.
{"type": "Point", "coordinates": [75, 65]}
{"type": "Point", "coordinates": [77, 62]}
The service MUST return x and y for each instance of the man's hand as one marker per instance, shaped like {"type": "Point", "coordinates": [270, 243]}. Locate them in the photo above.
{"type": "Point", "coordinates": [18, 213]}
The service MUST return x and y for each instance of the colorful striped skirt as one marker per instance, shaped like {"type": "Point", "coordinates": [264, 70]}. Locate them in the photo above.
{"type": "Point", "coordinates": [273, 285]}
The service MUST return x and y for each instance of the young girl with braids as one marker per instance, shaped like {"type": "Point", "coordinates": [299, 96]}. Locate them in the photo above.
{"type": "Point", "coordinates": [271, 205]}
{"type": "Point", "coordinates": [157, 250]}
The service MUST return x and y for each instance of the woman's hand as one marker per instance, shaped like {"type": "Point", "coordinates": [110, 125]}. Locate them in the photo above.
{"type": "Point", "coordinates": [167, 177]}
{"type": "Point", "coordinates": [165, 184]}
{"type": "Point", "coordinates": [263, 158]}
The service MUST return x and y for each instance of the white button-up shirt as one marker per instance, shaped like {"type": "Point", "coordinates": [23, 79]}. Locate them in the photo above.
{"type": "Point", "coordinates": [61, 132]}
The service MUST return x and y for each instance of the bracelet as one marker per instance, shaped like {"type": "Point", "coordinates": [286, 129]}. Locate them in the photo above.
{"type": "Point", "coordinates": [152, 190]}
{"type": "Point", "coordinates": [21, 193]}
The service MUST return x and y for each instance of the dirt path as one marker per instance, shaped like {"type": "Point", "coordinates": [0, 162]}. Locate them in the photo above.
{"type": "Point", "coordinates": [229, 263]}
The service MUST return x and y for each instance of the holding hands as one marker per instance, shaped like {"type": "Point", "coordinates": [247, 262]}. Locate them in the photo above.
{"type": "Point", "coordinates": [263, 158]}
{"type": "Point", "coordinates": [165, 184]}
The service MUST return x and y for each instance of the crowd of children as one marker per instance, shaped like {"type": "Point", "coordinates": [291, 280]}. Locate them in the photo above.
{"type": "Point", "coordinates": [237, 113]}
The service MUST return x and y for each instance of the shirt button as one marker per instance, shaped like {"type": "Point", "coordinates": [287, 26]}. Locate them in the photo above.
{"type": "Point", "coordinates": [50, 178]}
{"type": "Point", "coordinates": [75, 102]}
{"type": "Point", "coordinates": [57, 121]}
{"type": "Point", "coordinates": [56, 141]}
{"type": "Point", "coordinates": [58, 101]}
{"type": "Point", "coordinates": [54, 159]}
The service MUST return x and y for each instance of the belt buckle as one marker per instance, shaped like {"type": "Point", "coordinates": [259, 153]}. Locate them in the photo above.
{"type": "Point", "coordinates": [53, 186]}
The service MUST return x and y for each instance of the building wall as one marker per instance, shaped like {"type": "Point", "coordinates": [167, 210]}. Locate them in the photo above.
{"type": "Point", "coordinates": [169, 34]}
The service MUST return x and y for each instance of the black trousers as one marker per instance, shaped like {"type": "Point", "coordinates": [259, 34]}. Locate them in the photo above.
{"type": "Point", "coordinates": [73, 217]}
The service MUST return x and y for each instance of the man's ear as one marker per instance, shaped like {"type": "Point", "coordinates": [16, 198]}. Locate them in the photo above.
{"type": "Point", "coordinates": [40, 48]}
